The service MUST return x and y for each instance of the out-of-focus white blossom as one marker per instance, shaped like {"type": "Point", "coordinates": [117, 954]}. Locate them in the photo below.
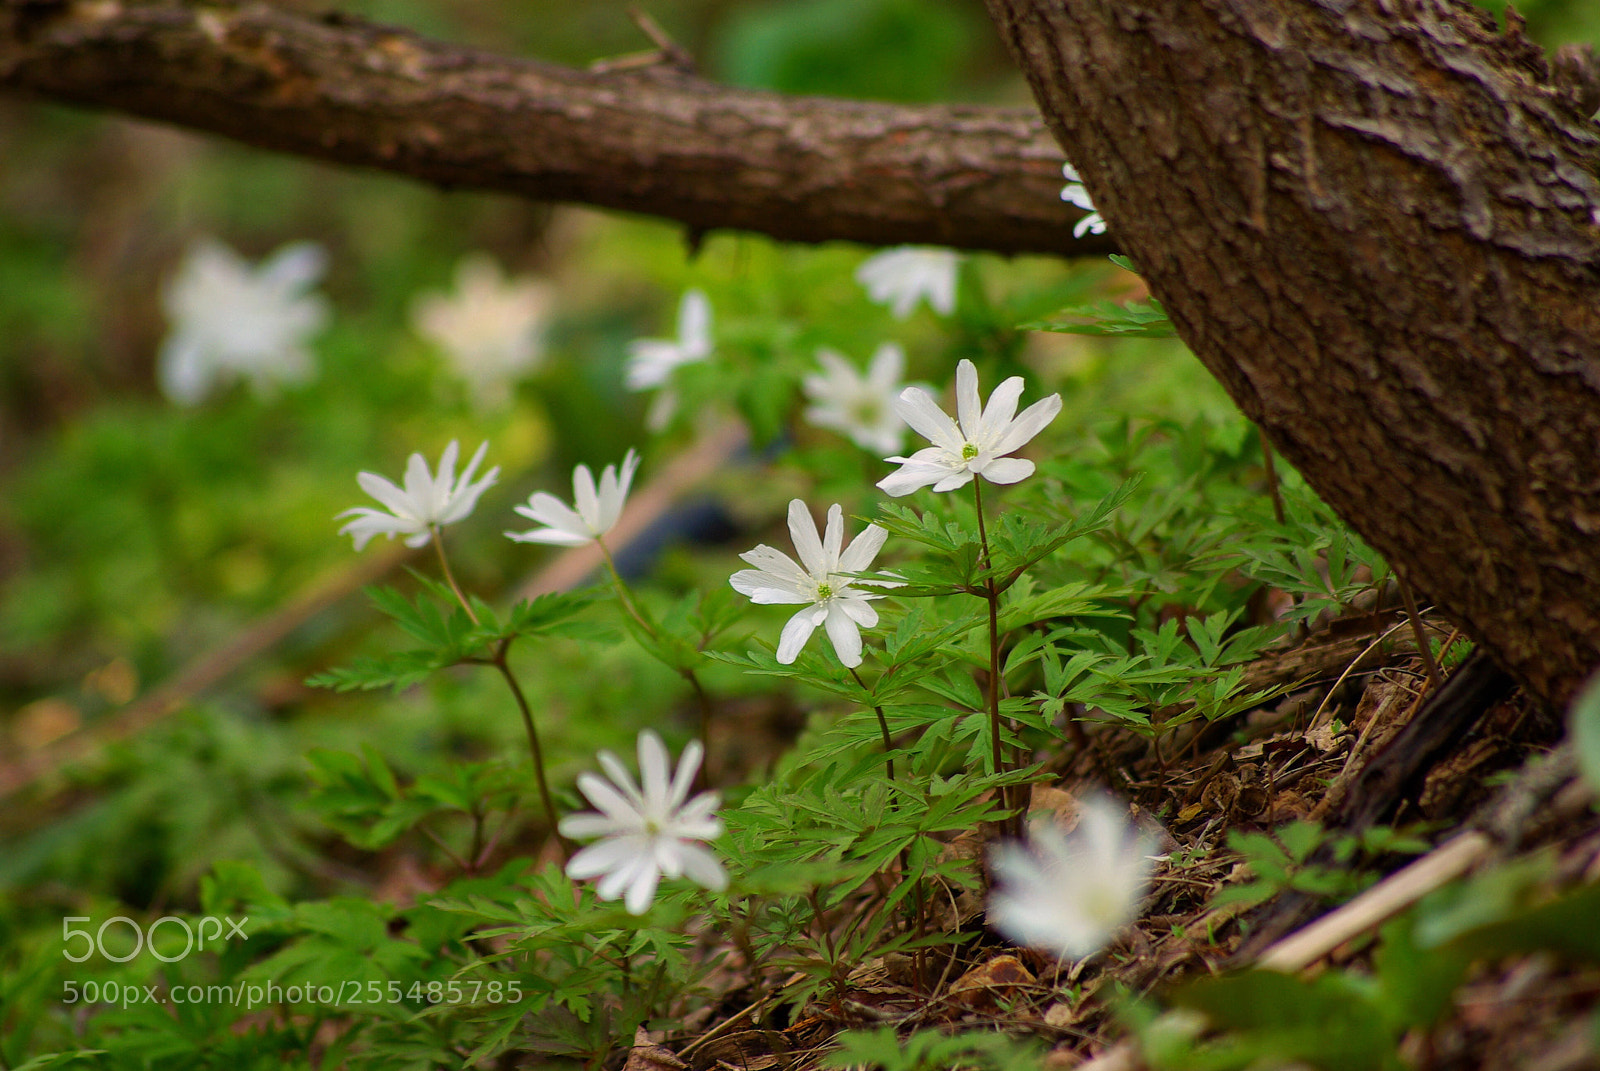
{"type": "Point", "coordinates": [651, 361]}
{"type": "Point", "coordinates": [978, 445]}
{"type": "Point", "coordinates": [646, 834]}
{"type": "Point", "coordinates": [1069, 893]}
{"type": "Point", "coordinates": [903, 276]}
{"type": "Point", "coordinates": [820, 583]}
{"type": "Point", "coordinates": [597, 508]}
{"type": "Point", "coordinates": [231, 321]}
{"type": "Point", "coordinates": [861, 407]}
{"type": "Point", "coordinates": [427, 501]}
{"type": "Point", "coordinates": [1076, 193]}
{"type": "Point", "coordinates": [491, 328]}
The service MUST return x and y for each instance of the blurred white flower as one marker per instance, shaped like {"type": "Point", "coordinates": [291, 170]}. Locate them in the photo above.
{"type": "Point", "coordinates": [597, 512]}
{"type": "Point", "coordinates": [861, 407]}
{"type": "Point", "coordinates": [491, 328]}
{"type": "Point", "coordinates": [1075, 192]}
{"type": "Point", "coordinates": [827, 597]}
{"type": "Point", "coordinates": [902, 276]}
{"type": "Point", "coordinates": [648, 834]}
{"type": "Point", "coordinates": [231, 321]}
{"type": "Point", "coordinates": [977, 447]}
{"type": "Point", "coordinates": [427, 502]}
{"type": "Point", "coordinates": [1069, 893]}
{"type": "Point", "coordinates": [651, 361]}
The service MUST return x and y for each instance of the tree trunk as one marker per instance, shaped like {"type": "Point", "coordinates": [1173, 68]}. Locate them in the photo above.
{"type": "Point", "coordinates": [1378, 224]}
{"type": "Point", "coordinates": [650, 140]}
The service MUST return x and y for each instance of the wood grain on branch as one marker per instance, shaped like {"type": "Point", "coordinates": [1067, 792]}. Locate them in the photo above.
{"type": "Point", "coordinates": [652, 141]}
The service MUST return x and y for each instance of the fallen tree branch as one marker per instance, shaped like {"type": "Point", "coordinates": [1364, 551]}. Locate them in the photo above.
{"type": "Point", "coordinates": [653, 141]}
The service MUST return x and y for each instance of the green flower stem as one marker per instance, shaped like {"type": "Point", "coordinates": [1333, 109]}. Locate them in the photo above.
{"type": "Point", "coordinates": [688, 674]}
{"type": "Point", "coordinates": [991, 595]}
{"type": "Point", "coordinates": [883, 727]}
{"type": "Point", "coordinates": [450, 577]}
{"type": "Point", "coordinates": [500, 663]}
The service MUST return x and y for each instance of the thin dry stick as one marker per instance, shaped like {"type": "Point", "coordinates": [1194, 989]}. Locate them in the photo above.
{"type": "Point", "coordinates": [204, 672]}
{"type": "Point", "coordinates": [1378, 904]}
{"type": "Point", "coordinates": [1312, 724]}
{"type": "Point", "coordinates": [1416, 630]}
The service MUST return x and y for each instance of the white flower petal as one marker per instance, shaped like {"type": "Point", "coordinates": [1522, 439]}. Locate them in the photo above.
{"type": "Point", "coordinates": [969, 405]}
{"type": "Point", "coordinates": [1005, 470]}
{"type": "Point", "coordinates": [584, 498]}
{"type": "Point", "coordinates": [642, 889]}
{"type": "Point", "coordinates": [694, 325]}
{"type": "Point", "coordinates": [1029, 423]}
{"type": "Point", "coordinates": [914, 475]}
{"type": "Point", "coordinates": [550, 537]}
{"type": "Point", "coordinates": [858, 557]}
{"type": "Point", "coordinates": [391, 497]}
{"type": "Point", "coordinates": [860, 611]}
{"type": "Point", "coordinates": [846, 636]}
{"type": "Point", "coordinates": [702, 867]}
{"type": "Point", "coordinates": [683, 779]}
{"type": "Point", "coordinates": [597, 858]}
{"type": "Point", "coordinates": [998, 413]}
{"type": "Point", "coordinates": [795, 634]}
{"type": "Point", "coordinates": [917, 408]}
{"type": "Point", "coordinates": [653, 774]}
{"type": "Point", "coordinates": [803, 530]}
{"type": "Point", "coordinates": [547, 509]}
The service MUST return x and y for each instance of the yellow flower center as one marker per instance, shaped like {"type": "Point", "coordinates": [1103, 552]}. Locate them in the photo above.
{"type": "Point", "coordinates": [824, 592]}
{"type": "Point", "coordinates": [968, 452]}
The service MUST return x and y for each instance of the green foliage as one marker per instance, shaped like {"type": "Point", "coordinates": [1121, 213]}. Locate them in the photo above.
{"type": "Point", "coordinates": [1132, 319]}
{"type": "Point", "coordinates": [1585, 731]}
{"type": "Point", "coordinates": [1280, 861]}
{"type": "Point", "coordinates": [1345, 1020]}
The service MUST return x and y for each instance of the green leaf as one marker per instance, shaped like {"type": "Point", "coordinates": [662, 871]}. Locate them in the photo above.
{"type": "Point", "coordinates": [1326, 1022]}
{"type": "Point", "coordinates": [1135, 319]}
{"type": "Point", "coordinates": [1585, 729]}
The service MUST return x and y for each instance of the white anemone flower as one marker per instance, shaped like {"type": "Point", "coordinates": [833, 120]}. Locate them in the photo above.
{"type": "Point", "coordinates": [1078, 194]}
{"type": "Point", "coordinates": [426, 503]}
{"type": "Point", "coordinates": [597, 512]}
{"type": "Point", "coordinates": [1069, 893]}
{"type": "Point", "coordinates": [827, 596]}
{"type": "Point", "coordinates": [978, 445]}
{"type": "Point", "coordinates": [651, 361]}
{"type": "Point", "coordinates": [231, 320]}
{"type": "Point", "coordinates": [902, 276]}
{"type": "Point", "coordinates": [491, 328]}
{"type": "Point", "coordinates": [647, 834]}
{"type": "Point", "coordinates": [861, 407]}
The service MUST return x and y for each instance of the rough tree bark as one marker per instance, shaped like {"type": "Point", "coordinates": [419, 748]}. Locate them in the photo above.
{"type": "Point", "coordinates": [655, 141]}
{"type": "Point", "coordinates": [1376, 221]}
{"type": "Point", "coordinates": [1378, 224]}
